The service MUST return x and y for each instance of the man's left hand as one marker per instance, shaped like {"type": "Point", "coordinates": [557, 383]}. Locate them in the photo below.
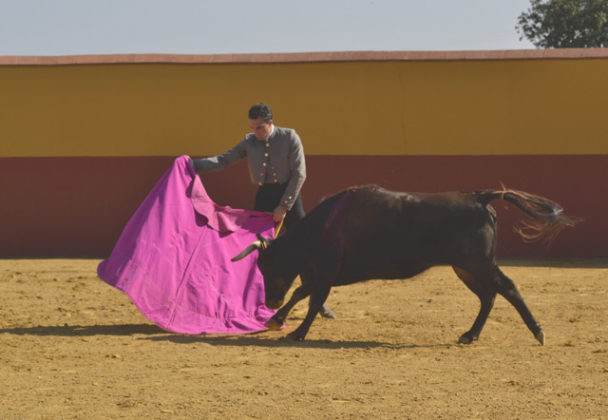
{"type": "Point", "coordinates": [279, 214]}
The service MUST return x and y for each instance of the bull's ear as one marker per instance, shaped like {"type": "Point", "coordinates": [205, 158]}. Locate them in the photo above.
{"type": "Point", "coordinates": [256, 245]}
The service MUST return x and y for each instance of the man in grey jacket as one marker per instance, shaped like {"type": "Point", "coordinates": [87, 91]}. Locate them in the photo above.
{"type": "Point", "coordinates": [276, 165]}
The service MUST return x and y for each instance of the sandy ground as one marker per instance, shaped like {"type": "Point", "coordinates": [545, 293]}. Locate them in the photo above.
{"type": "Point", "coordinates": [73, 347]}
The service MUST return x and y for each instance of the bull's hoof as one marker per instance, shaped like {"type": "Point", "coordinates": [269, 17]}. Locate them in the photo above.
{"type": "Point", "coordinates": [273, 324]}
{"type": "Point", "coordinates": [540, 336]}
{"type": "Point", "coordinates": [327, 313]}
{"type": "Point", "coordinates": [466, 339]}
{"type": "Point", "coordinates": [294, 337]}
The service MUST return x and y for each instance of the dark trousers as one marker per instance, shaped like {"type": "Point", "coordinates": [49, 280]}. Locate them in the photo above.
{"type": "Point", "coordinates": [268, 198]}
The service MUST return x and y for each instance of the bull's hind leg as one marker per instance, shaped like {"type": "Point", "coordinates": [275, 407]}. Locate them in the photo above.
{"type": "Point", "coordinates": [485, 286]}
{"type": "Point", "coordinates": [507, 289]}
{"type": "Point", "coordinates": [486, 297]}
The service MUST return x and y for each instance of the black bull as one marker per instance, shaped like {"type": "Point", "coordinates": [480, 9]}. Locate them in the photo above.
{"type": "Point", "coordinates": [368, 233]}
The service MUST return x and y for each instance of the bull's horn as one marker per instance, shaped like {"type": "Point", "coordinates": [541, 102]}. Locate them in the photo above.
{"type": "Point", "coordinates": [265, 241]}
{"type": "Point", "coordinates": [248, 250]}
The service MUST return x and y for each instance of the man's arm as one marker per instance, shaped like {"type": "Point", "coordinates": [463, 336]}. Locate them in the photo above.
{"type": "Point", "coordinates": [219, 162]}
{"type": "Point", "coordinates": [297, 169]}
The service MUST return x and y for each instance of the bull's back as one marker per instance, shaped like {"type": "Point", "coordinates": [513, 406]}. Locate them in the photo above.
{"type": "Point", "coordinates": [397, 235]}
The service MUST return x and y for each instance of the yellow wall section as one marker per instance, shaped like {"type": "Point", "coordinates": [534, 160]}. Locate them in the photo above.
{"type": "Point", "coordinates": [339, 108]}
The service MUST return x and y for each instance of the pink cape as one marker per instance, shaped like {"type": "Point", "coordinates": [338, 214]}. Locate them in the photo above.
{"type": "Point", "coordinates": [173, 259]}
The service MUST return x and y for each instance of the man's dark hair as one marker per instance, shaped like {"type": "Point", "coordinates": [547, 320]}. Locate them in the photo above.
{"type": "Point", "coordinates": [260, 110]}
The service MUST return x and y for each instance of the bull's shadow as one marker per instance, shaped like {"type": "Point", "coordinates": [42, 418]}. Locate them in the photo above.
{"type": "Point", "coordinates": [255, 340]}
{"type": "Point", "coordinates": [153, 333]}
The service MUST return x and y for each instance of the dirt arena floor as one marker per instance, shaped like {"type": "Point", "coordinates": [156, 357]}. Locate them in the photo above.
{"type": "Point", "coordinates": [73, 347]}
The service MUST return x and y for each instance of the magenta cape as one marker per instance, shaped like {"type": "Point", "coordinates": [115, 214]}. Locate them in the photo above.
{"type": "Point", "coordinates": [173, 259]}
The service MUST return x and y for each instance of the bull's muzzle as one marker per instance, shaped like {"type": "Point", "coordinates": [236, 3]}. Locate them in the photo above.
{"type": "Point", "coordinates": [274, 303]}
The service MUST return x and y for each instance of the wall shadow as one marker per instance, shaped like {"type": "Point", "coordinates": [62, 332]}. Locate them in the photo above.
{"type": "Point", "coordinates": [85, 330]}
{"type": "Point", "coordinates": [591, 263]}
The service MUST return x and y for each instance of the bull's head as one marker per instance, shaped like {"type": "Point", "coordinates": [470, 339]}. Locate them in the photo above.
{"type": "Point", "coordinates": [276, 280]}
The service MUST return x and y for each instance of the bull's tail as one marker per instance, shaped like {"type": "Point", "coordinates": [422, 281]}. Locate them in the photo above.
{"type": "Point", "coordinates": [547, 217]}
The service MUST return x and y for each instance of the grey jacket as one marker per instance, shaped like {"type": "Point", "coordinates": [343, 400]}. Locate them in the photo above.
{"type": "Point", "coordinates": [280, 159]}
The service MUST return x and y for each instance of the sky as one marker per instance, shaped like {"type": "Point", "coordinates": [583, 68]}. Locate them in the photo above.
{"type": "Point", "coordinates": [67, 27]}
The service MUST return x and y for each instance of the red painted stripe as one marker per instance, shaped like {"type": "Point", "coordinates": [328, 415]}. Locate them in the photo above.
{"type": "Point", "coordinates": [576, 182]}
{"type": "Point", "coordinates": [77, 207]}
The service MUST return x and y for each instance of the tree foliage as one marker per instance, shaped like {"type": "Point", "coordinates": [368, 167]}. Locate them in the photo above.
{"type": "Point", "coordinates": [565, 23]}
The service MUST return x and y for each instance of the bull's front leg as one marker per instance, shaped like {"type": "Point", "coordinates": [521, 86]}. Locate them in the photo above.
{"type": "Point", "coordinates": [316, 302]}
{"type": "Point", "coordinates": [324, 269]}
{"type": "Point", "coordinates": [278, 319]}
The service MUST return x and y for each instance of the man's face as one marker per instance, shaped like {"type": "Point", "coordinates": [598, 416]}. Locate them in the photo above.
{"type": "Point", "coordinates": [260, 128]}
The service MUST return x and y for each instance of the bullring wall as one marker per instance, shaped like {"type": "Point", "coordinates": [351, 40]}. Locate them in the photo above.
{"type": "Point", "coordinates": [84, 138]}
